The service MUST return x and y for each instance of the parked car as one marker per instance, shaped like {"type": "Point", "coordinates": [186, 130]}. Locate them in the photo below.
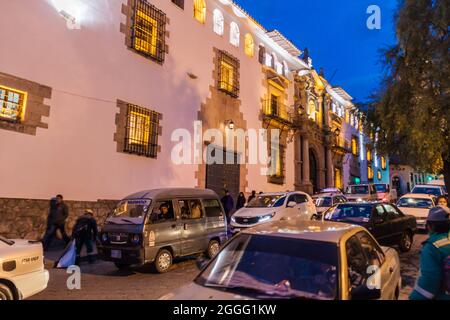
{"type": "Point", "coordinates": [22, 272]}
{"type": "Point", "coordinates": [331, 191]}
{"type": "Point", "coordinates": [417, 205]}
{"type": "Point", "coordinates": [273, 206]}
{"type": "Point", "coordinates": [433, 190]}
{"type": "Point", "coordinates": [361, 193]}
{"type": "Point", "coordinates": [385, 221]}
{"type": "Point", "coordinates": [155, 226]}
{"type": "Point", "coordinates": [325, 201]}
{"type": "Point", "coordinates": [293, 259]}
{"type": "Point", "coordinates": [385, 193]}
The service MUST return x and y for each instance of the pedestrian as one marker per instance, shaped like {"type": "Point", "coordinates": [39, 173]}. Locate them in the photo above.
{"type": "Point", "coordinates": [252, 196]}
{"type": "Point", "coordinates": [85, 233]}
{"type": "Point", "coordinates": [434, 279]}
{"type": "Point", "coordinates": [58, 213]}
{"type": "Point", "coordinates": [228, 204]}
{"type": "Point", "coordinates": [240, 203]}
{"type": "Point", "coordinates": [442, 201]}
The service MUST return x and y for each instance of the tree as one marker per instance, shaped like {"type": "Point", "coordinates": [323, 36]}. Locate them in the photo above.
{"type": "Point", "coordinates": [412, 109]}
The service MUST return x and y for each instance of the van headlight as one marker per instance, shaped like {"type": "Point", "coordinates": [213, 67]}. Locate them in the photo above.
{"type": "Point", "coordinates": [266, 217]}
{"type": "Point", "coordinates": [135, 239]}
{"type": "Point", "coordinates": [105, 237]}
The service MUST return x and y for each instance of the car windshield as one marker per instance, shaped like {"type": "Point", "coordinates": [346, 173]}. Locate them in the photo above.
{"type": "Point", "coordinates": [415, 203]}
{"type": "Point", "coordinates": [266, 267]}
{"type": "Point", "coordinates": [323, 202]}
{"type": "Point", "coordinates": [436, 191]}
{"type": "Point", "coordinates": [7, 241]}
{"type": "Point", "coordinates": [357, 190]}
{"type": "Point", "coordinates": [267, 201]}
{"type": "Point", "coordinates": [381, 188]}
{"type": "Point", "coordinates": [350, 213]}
{"type": "Point", "coordinates": [130, 211]}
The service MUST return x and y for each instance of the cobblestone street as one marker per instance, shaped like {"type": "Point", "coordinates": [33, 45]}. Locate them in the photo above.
{"type": "Point", "coordinates": [103, 281]}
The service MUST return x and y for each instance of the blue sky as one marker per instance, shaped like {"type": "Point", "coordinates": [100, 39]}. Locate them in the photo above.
{"type": "Point", "coordinates": [336, 34]}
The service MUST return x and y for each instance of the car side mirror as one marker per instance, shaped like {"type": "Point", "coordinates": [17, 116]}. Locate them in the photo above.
{"type": "Point", "coordinates": [201, 263]}
{"type": "Point", "coordinates": [292, 204]}
{"type": "Point", "coordinates": [363, 292]}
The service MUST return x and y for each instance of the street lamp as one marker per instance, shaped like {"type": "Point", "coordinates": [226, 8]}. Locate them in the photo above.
{"type": "Point", "coordinates": [230, 124]}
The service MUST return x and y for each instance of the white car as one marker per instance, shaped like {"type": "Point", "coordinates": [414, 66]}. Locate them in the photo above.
{"type": "Point", "coordinates": [325, 201]}
{"type": "Point", "coordinates": [22, 272]}
{"type": "Point", "coordinates": [385, 193]}
{"type": "Point", "coordinates": [417, 205]}
{"type": "Point", "coordinates": [272, 207]}
{"type": "Point", "coordinates": [433, 190]}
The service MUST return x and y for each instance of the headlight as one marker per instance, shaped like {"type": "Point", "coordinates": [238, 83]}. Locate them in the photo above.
{"type": "Point", "coordinates": [105, 237]}
{"type": "Point", "coordinates": [266, 217]}
{"type": "Point", "coordinates": [359, 200]}
{"type": "Point", "coordinates": [135, 239]}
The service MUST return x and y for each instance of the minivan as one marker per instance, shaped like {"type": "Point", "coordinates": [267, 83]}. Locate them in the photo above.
{"type": "Point", "coordinates": [361, 193]}
{"type": "Point", "coordinates": [156, 226]}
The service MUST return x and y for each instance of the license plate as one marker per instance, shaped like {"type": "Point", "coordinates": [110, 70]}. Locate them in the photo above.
{"type": "Point", "coordinates": [116, 254]}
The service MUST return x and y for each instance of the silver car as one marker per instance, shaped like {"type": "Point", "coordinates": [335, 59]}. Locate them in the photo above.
{"type": "Point", "coordinates": [295, 259]}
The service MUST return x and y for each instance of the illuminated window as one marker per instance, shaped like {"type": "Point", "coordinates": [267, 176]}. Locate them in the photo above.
{"type": "Point", "coordinates": [380, 175]}
{"type": "Point", "coordinates": [142, 131]}
{"type": "Point", "coordinates": [249, 45]}
{"type": "Point", "coordinates": [148, 31]}
{"type": "Point", "coordinates": [370, 173]}
{"type": "Point", "coordinates": [355, 149]}
{"type": "Point", "coordinates": [277, 164]}
{"type": "Point", "coordinates": [383, 163]}
{"type": "Point", "coordinates": [218, 22]}
{"type": "Point", "coordinates": [234, 34]}
{"type": "Point", "coordinates": [338, 182]}
{"type": "Point", "coordinates": [228, 74]}
{"type": "Point", "coordinates": [200, 10]}
{"type": "Point", "coordinates": [369, 154]}
{"type": "Point", "coordinates": [12, 104]}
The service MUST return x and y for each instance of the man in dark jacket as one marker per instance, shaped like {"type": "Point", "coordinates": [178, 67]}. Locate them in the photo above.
{"type": "Point", "coordinates": [228, 204]}
{"type": "Point", "coordinates": [57, 217]}
{"type": "Point", "coordinates": [85, 232]}
{"type": "Point", "coordinates": [252, 196]}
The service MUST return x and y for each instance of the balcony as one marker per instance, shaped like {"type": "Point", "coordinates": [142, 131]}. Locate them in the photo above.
{"type": "Point", "coordinates": [277, 111]}
{"type": "Point", "coordinates": [342, 146]}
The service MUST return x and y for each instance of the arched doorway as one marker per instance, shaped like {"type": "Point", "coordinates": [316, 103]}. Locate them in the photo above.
{"type": "Point", "coordinates": [313, 170]}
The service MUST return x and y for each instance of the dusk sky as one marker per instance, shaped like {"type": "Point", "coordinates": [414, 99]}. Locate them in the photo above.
{"type": "Point", "coordinates": [336, 34]}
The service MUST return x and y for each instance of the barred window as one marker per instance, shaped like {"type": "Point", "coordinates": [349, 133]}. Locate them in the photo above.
{"type": "Point", "coordinates": [228, 74]}
{"type": "Point", "coordinates": [148, 31]}
{"type": "Point", "coordinates": [141, 136]}
{"type": "Point", "coordinates": [355, 149]}
{"type": "Point", "coordinates": [12, 104]}
{"type": "Point", "coordinates": [179, 3]}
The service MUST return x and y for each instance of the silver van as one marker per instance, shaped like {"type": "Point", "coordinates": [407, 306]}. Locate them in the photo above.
{"type": "Point", "coordinates": [156, 226]}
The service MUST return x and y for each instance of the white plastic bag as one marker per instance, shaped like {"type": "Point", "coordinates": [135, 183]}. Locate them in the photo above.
{"type": "Point", "coordinates": [69, 256]}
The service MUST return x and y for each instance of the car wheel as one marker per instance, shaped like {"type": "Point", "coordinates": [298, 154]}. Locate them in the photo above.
{"type": "Point", "coordinates": [163, 261]}
{"type": "Point", "coordinates": [122, 266]}
{"type": "Point", "coordinates": [5, 292]}
{"type": "Point", "coordinates": [406, 241]}
{"type": "Point", "coordinates": [213, 249]}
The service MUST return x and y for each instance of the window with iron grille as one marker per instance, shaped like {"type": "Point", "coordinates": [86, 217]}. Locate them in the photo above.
{"type": "Point", "coordinates": [228, 74]}
{"type": "Point", "coordinates": [149, 31]}
{"type": "Point", "coordinates": [179, 3]}
{"type": "Point", "coordinates": [141, 135]}
{"type": "Point", "coordinates": [12, 104]}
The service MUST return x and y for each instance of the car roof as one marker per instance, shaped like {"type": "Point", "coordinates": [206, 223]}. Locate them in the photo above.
{"type": "Point", "coordinates": [286, 193]}
{"type": "Point", "coordinates": [427, 186]}
{"type": "Point", "coordinates": [172, 193]}
{"type": "Point", "coordinates": [418, 195]}
{"type": "Point", "coordinates": [328, 194]}
{"type": "Point", "coordinates": [307, 230]}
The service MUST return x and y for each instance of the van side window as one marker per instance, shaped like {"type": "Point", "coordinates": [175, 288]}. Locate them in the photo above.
{"type": "Point", "coordinates": [212, 208]}
{"type": "Point", "coordinates": [190, 209]}
{"type": "Point", "coordinates": [162, 211]}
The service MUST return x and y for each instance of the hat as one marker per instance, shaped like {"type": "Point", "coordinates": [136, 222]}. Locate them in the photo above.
{"type": "Point", "coordinates": [439, 214]}
{"type": "Point", "coordinates": [89, 211]}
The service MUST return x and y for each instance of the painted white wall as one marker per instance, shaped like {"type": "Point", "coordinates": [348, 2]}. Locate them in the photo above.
{"type": "Point", "coordinates": [76, 155]}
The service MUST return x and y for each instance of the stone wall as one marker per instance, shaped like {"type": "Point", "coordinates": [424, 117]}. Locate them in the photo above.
{"type": "Point", "coordinates": [27, 218]}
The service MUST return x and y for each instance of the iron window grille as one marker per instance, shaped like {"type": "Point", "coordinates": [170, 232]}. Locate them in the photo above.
{"type": "Point", "coordinates": [179, 3]}
{"type": "Point", "coordinates": [12, 104]}
{"type": "Point", "coordinates": [228, 74]}
{"type": "Point", "coordinates": [142, 131]}
{"type": "Point", "coordinates": [149, 31]}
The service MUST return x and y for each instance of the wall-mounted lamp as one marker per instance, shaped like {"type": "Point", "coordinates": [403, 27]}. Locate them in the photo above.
{"type": "Point", "coordinates": [71, 21]}
{"type": "Point", "coordinates": [230, 124]}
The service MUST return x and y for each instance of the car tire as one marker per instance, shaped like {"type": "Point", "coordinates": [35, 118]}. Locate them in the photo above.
{"type": "Point", "coordinates": [5, 292]}
{"type": "Point", "coordinates": [163, 261]}
{"type": "Point", "coordinates": [122, 266]}
{"type": "Point", "coordinates": [213, 249]}
{"type": "Point", "coordinates": [406, 241]}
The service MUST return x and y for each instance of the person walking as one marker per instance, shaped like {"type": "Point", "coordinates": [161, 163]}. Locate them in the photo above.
{"type": "Point", "coordinates": [85, 233]}
{"type": "Point", "coordinates": [240, 203]}
{"type": "Point", "coordinates": [252, 196]}
{"type": "Point", "coordinates": [58, 213]}
{"type": "Point", "coordinates": [434, 280]}
{"type": "Point", "coordinates": [228, 204]}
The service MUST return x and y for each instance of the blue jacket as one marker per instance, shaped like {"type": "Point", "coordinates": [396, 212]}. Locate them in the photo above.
{"type": "Point", "coordinates": [430, 283]}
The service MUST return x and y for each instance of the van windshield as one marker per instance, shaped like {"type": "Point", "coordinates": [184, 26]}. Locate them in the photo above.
{"type": "Point", "coordinates": [130, 211]}
{"type": "Point", "coordinates": [357, 190]}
